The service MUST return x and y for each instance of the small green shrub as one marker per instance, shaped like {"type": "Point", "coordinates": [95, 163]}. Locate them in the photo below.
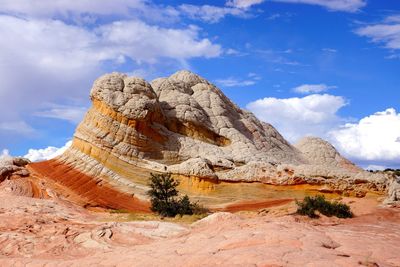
{"type": "Point", "coordinates": [310, 205]}
{"type": "Point", "coordinates": [163, 196]}
{"type": "Point", "coordinates": [199, 209]}
{"type": "Point", "coordinates": [184, 206]}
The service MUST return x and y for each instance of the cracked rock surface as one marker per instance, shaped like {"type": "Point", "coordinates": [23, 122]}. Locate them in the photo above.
{"type": "Point", "coordinates": [36, 232]}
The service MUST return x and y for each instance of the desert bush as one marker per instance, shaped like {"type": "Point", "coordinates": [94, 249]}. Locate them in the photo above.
{"type": "Point", "coordinates": [185, 206]}
{"type": "Point", "coordinates": [199, 209]}
{"type": "Point", "coordinates": [163, 197]}
{"type": "Point", "coordinates": [310, 205]}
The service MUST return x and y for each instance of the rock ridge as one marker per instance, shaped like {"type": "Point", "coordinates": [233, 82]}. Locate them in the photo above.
{"type": "Point", "coordinates": [185, 125]}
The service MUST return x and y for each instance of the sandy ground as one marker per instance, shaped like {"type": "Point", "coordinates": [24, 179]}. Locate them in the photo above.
{"type": "Point", "coordinates": [35, 232]}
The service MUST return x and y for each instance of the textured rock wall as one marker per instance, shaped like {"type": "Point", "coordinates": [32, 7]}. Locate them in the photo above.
{"type": "Point", "coordinates": [185, 125]}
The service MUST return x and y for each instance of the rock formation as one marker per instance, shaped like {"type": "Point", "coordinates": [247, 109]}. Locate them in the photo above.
{"type": "Point", "coordinates": [13, 167]}
{"type": "Point", "coordinates": [14, 177]}
{"type": "Point", "coordinates": [185, 125]}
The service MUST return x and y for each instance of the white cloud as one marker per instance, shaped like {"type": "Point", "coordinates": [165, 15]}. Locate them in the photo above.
{"type": "Point", "coordinates": [233, 82]}
{"type": "Point", "coordinates": [375, 167]}
{"type": "Point", "coordinates": [387, 32]}
{"type": "Point", "coordinates": [231, 51]}
{"type": "Point", "coordinates": [145, 43]}
{"type": "Point", "coordinates": [243, 3]}
{"type": "Point", "coordinates": [234, 52]}
{"type": "Point", "coordinates": [50, 61]}
{"type": "Point", "coordinates": [298, 117]}
{"type": "Point", "coordinates": [65, 7]}
{"type": "Point", "coordinates": [5, 154]}
{"type": "Point", "coordinates": [334, 5]}
{"type": "Point", "coordinates": [274, 16]}
{"type": "Point", "coordinates": [88, 11]}
{"type": "Point", "coordinates": [312, 88]}
{"type": "Point", "coordinates": [279, 57]}
{"type": "Point", "coordinates": [254, 76]}
{"type": "Point", "coordinates": [393, 18]}
{"type": "Point", "coordinates": [252, 79]}
{"type": "Point", "coordinates": [46, 153]}
{"type": "Point", "coordinates": [373, 141]}
{"type": "Point", "coordinates": [51, 52]}
{"type": "Point", "coordinates": [17, 127]}
{"type": "Point", "coordinates": [329, 50]}
{"type": "Point", "coordinates": [211, 14]}
{"type": "Point", "coordinates": [373, 138]}
{"type": "Point", "coordinates": [393, 56]}
{"type": "Point", "coordinates": [69, 113]}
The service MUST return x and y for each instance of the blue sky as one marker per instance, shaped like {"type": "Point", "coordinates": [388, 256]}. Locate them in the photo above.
{"type": "Point", "coordinates": [329, 68]}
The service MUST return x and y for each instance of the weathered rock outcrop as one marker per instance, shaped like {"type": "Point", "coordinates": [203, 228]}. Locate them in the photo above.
{"type": "Point", "coordinates": [185, 125]}
{"type": "Point", "coordinates": [13, 167]}
{"type": "Point", "coordinates": [14, 176]}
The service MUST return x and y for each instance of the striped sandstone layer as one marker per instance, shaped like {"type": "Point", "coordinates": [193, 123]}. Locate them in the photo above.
{"type": "Point", "coordinates": [185, 125]}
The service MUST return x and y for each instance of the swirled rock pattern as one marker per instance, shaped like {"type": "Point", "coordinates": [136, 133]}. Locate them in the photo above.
{"type": "Point", "coordinates": [185, 125]}
{"type": "Point", "coordinates": [37, 232]}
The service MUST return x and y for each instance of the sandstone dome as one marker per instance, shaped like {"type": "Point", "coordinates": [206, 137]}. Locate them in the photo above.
{"type": "Point", "coordinates": [185, 125]}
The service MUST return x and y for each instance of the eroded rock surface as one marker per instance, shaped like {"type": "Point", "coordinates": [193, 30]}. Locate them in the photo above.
{"type": "Point", "coordinates": [14, 177]}
{"type": "Point", "coordinates": [185, 125]}
{"type": "Point", "coordinates": [13, 168]}
{"type": "Point", "coordinates": [36, 232]}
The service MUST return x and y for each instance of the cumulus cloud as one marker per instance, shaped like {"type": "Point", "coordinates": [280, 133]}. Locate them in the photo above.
{"type": "Point", "coordinates": [386, 32]}
{"type": "Point", "coordinates": [373, 138]}
{"type": "Point", "coordinates": [334, 5]}
{"type": "Point", "coordinates": [312, 88]}
{"type": "Point", "coordinates": [51, 61]}
{"type": "Point", "coordinates": [373, 141]}
{"type": "Point", "coordinates": [52, 51]}
{"type": "Point", "coordinates": [46, 153]}
{"type": "Point", "coordinates": [298, 117]}
{"type": "Point", "coordinates": [147, 43]}
{"type": "Point", "coordinates": [5, 154]}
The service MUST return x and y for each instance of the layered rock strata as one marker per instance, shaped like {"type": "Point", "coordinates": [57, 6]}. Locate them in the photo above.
{"type": "Point", "coordinates": [185, 125]}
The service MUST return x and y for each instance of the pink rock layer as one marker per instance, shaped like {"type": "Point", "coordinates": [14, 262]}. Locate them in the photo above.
{"type": "Point", "coordinates": [37, 232]}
